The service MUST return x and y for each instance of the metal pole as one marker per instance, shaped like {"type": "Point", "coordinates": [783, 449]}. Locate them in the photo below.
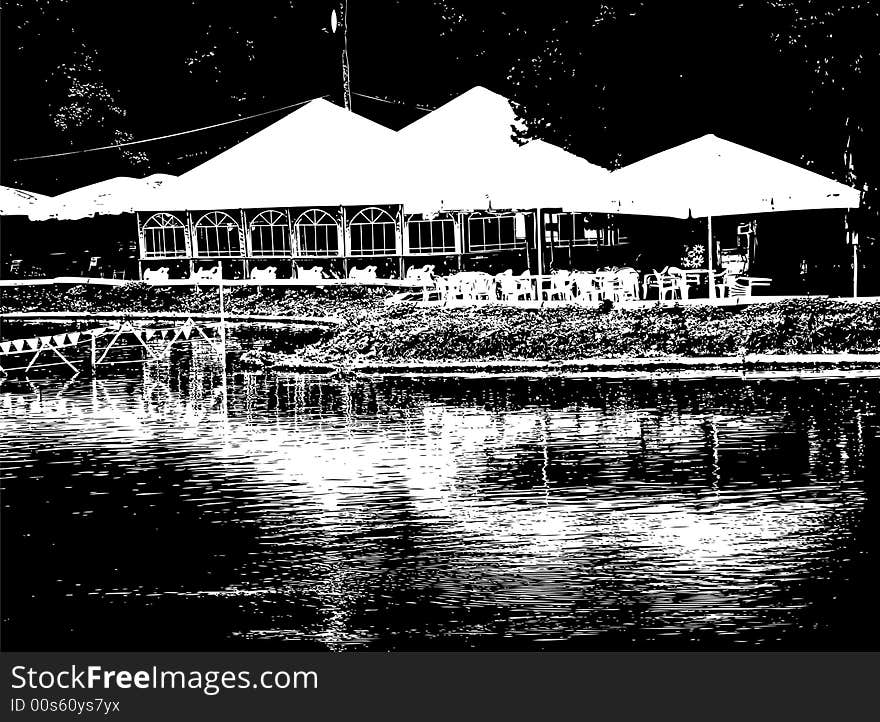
{"type": "Point", "coordinates": [222, 321]}
{"type": "Point", "coordinates": [710, 254]}
{"type": "Point", "coordinates": [855, 269]}
{"type": "Point", "coordinates": [342, 10]}
{"type": "Point", "coordinates": [94, 355]}
{"type": "Point", "coordinates": [539, 245]}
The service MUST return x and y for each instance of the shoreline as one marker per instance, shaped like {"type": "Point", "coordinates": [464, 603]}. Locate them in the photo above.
{"type": "Point", "coordinates": [592, 366]}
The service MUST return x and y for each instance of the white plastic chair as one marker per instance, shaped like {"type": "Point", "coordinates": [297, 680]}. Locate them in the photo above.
{"type": "Point", "coordinates": [207, 274]}
{"type": "Point", "coordinates": [156, 274]}
{"type": "Point", "coordinates": [264, 274]}
{"type": "Point", "coordinates": [315, 273]}
{"type": "Point", "coordinates": [560, 287]}
{"type": "Point", "coordinates": [739, 286]}
{"type": "Point", "coordinates": [363, 274]}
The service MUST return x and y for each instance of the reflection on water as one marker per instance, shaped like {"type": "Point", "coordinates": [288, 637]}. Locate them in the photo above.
{"type": "Point", "coordinates": [157, 510]}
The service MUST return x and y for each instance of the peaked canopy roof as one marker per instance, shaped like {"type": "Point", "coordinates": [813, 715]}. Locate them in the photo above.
{"type": "Point", "coordinates": [320, 154]}
{"type": "Point", "coordinates": [113, 196]}
{"type": "Point", "coordinates": [16, 202]}
{"type": "Point", "coordinates": [464, 156]}
{"type": "Point", "coordinates": [711, 176]}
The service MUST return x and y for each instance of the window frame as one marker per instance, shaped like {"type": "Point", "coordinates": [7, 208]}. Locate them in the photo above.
{"type": "Point", "coordinates": [216, 226]}
{"type": "Point", "coordinates": [313, 215]}
{"type": "Point", "coordinates": [148, 232]}
{"type": "Point", "coordinates": [270, 218]}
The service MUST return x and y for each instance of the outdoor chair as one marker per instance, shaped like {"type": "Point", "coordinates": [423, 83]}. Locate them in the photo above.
{"type": "Point", "coordinates": [207, 274]}
{"type": "Point", "coordinates": [480, 287]}
{"type": "Point", "coordinates": [94, 263]}
{"type": "Point", "coordinates": [739, 286]}
{"type": "Point", "coordinates": [315, 273]}
{"type": "Point", "coordinates": [363, 274]}
{"type": "Point", "coordinates": [156, 274]}
{"type": "Point", "coordinates": [452, 288]}
{"type": "Point", "coordinates": [425, 274]}
{"type": "Point", "coordinates": [664, 283]}
{"type": "Point", "coordinates": [15, 267]}
{"type": "Point", "coordinates": [559, 287]}
{"type": "Point", "coordinates": [514, 288]}
{"type": "Point", "coordinates": [118, 275]}
{"type": "Point", "coordinates": [624, 285]}
{"type": "Point", "coordinates": [264, 274]}
{"type": "Point", "coordinates": [585, 287]}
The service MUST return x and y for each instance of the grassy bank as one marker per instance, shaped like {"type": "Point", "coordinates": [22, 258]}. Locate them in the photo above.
{"type": "Point", "coordinates": [375, 332]}
{"type": "Point", "coordinates": [503, 333]}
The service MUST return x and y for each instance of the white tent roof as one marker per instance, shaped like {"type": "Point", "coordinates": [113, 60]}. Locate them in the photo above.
{"type": "Point", "coordinates": [16, 202]}
{"type": "Point", "coordinates": [711, 176]}
{"type": "Point", "coordinates": [463, 156]}
{"type": "Point", "coordinates": [320, 154]}
{"type": "Point", "coordinates": [113, 196]}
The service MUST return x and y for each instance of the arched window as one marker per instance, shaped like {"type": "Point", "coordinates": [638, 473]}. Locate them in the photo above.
{"type": "Point", "coordinates": [217, 234]}
{"type": "Point", "coordinates": [488, 232]}
{"type": "Point", "coordinates": [317, 234]}
{"type": "Point", "coordinates": [164, 236]}
{"type": "Point", "coordinates": [270, 234]}
{"type": "Point", "coordinates": [430, 235]}
{"type": "Point", "coordinates": [373, 233]}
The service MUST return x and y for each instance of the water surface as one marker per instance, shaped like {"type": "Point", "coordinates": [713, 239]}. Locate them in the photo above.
{"type": "Point", "coordinates": [153, 510]}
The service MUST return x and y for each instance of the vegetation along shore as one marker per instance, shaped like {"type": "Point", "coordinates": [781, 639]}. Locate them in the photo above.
{"type": "Point", "coordinates": [376, 332]}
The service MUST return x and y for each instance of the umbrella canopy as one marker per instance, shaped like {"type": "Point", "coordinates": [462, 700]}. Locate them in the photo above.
{"type": "Point", "coordinates": [464, 156]}
{"type": "Point", "coordinates": [548, 176]}
{"type": "Point", "coordinates": [16, 202]}
{"type": "Point", "coordinates": [109, 197]}
{"type": "Point", "coordinates": [318, 155]}
{"type": "Point", "coordinates": [711, 176]}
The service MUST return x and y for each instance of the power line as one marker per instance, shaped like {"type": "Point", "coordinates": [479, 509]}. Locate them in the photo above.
{"type": "Point", "coordinates": [169, 135]}
{"type": "Point", "coordinates": [392, 101]}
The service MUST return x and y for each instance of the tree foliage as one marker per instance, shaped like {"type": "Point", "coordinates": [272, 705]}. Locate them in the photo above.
{"type": "Point", "coordinates": [613, 81]}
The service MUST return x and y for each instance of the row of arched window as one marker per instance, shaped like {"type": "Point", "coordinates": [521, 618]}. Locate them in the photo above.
{"type": "Point", "coordinates": [316, 233]}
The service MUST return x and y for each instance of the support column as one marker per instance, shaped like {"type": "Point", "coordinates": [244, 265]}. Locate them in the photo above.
{"type": "Point", "coordinates": [710, 253]}
{"type": "Point", "coordinates": [142, 248]}
{"type": "Point", "coordinates": [539, 241]}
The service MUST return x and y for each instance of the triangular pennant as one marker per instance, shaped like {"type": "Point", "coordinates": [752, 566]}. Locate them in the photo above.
{"type": "Point", "coordinates": [32, 343]}
{"type": "Point", "coordinates": [44, 340]}
{"type": "Point", "coordinates": [59, 338]}
{"type": "Point", "coordinates": [149, 333]}
{"type": "Point", "coordinates": [5, 346]}
{"type": "Point", "coordinates": [138, 334]}
{"type": "Point", "coordinates": [74, 337]}
{"type": "Point", "coordinates": [18, 344]}
{"type": "Point", "coordinates": [187, 330]}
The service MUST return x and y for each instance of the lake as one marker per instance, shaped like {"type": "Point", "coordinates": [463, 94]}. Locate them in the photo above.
{"type": "Point", "coordinates": [154, 509]}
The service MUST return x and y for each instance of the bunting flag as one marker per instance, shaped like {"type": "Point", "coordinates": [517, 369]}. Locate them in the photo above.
{"type": "Point", "coordinates": [18, 344]}
{"type": "Point", "coordinates": [59, 339]}
{"type": "Point", "coordinates": [149, 333]}
{"type": "Point", "coordinates": [164, 333]}
{"type": "Point", "coordinates": [138, 334]}
{"type": "Point", "coordinates": [187, 330]}
{"type": "Point", "coordinates": [5, 346]}
{"type": "Point", "coordinates": [74, 337]}
{"type": "Point", "coordinates": [45, 340]}
{"type": "Point", "coordinates": [32, 343]}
